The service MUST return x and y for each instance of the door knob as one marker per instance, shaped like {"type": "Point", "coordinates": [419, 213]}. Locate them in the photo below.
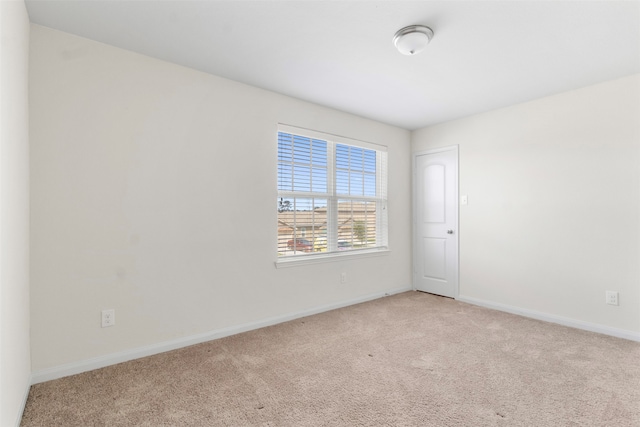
{"type": "Point", "coordinates": [449, 231]}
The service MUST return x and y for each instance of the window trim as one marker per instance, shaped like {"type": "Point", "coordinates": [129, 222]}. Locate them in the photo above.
{"type": "Point", "coordinates": [299, 260]}
{"type": "Point", "coordinates": [381, 183]}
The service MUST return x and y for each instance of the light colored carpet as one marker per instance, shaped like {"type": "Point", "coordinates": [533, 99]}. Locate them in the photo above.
{"type": "Point", "coordinates": [411, 359]}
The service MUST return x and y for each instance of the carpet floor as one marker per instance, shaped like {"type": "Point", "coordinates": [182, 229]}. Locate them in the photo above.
{"type": "Point", "coordinates": [411, 359]}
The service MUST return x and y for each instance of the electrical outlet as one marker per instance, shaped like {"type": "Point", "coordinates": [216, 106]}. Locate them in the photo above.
{"type": "Point", "coordinates": [611, 297]}
{"type": "Point", "coordinates": [108, 317]}
{"type": "Point", "coordinates": [343, 277]}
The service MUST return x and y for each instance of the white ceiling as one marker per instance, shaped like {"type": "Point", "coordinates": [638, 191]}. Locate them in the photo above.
{"type": "Point", "coordinates": [484, 55]}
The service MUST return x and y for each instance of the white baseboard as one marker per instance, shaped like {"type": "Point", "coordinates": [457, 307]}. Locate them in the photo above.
{"type": "Point", "coordinates": [578, 324]}
{"type": "Point", "coordinates": [136, 353]}
{"type": "Point", "coordinates": [24, 401]}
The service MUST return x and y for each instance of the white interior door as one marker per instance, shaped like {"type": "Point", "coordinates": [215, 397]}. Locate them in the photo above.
{"type": "Point", "coordinates": [435, 259]}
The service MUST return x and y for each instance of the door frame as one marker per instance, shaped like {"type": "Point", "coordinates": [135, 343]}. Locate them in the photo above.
{"type": "Point", "coordinates": [414, 213]}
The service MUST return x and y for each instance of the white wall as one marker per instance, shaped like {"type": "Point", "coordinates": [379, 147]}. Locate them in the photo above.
{"type": "Point", "coordinates": [553, 219]}
{"type": "Point", "coordinates": [15, 364]}
{"type": "Point", "coordinates": [154, 193]}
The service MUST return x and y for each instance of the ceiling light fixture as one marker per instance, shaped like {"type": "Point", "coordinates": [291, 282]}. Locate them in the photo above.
{"type": "Point", "coordinates": [412, 39]}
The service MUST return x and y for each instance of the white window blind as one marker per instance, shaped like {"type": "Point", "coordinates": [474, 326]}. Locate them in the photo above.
{"type": "Point", "coordinates": [332, 194]}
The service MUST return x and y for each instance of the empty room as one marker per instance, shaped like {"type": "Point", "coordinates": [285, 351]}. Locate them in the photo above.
{"type": "Point", "coordinates": [319, 213]}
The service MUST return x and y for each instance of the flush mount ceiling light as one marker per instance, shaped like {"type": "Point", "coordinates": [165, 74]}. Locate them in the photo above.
{"type": "Point", "coordinates": [412, 39]}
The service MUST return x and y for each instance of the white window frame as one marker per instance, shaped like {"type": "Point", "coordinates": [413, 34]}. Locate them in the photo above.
{"type": "Point", "coordinates": [381, 200]}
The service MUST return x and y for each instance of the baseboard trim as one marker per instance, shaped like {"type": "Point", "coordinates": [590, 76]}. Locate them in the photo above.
{"type": "Point", "coordinates": [24, 401]}
{"type": "Point", "coordinates": [136, 353]}
{"type": "Point", "coordinates": [578, 324]}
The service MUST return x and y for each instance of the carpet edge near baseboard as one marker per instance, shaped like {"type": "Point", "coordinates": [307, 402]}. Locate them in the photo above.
{"type": "Point", "coordinates": [149, 350]}
{"type": "Point", "coordinates": [546, 317]}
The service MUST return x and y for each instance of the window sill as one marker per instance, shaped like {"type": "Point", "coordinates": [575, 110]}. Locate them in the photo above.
{"type": "Point", "coordinates": [295, 261]}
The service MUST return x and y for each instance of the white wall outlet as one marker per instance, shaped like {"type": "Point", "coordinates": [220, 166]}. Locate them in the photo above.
{"type": "Point", "coordinates": [108, 317]}
{"type": "Point", "coordinates": [464, 200]}
{"type": "Point", "coordinates": [612, 297]}
{"type": "Point", "coordinates": [343, 277]}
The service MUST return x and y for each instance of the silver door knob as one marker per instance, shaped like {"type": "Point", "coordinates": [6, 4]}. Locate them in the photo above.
{"type": "Point", "coordinates": [449, 231]}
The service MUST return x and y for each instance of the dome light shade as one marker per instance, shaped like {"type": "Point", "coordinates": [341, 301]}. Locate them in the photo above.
{"type": "Point", "coordinates": [412, 39]}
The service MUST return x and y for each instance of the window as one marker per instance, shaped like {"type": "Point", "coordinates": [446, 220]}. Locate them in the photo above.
{"type": "Point", "coordinates": [332, 197]}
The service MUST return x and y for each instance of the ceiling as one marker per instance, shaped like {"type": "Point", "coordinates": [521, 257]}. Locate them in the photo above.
{"type": "Point", "coordinates": [484, 54]}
